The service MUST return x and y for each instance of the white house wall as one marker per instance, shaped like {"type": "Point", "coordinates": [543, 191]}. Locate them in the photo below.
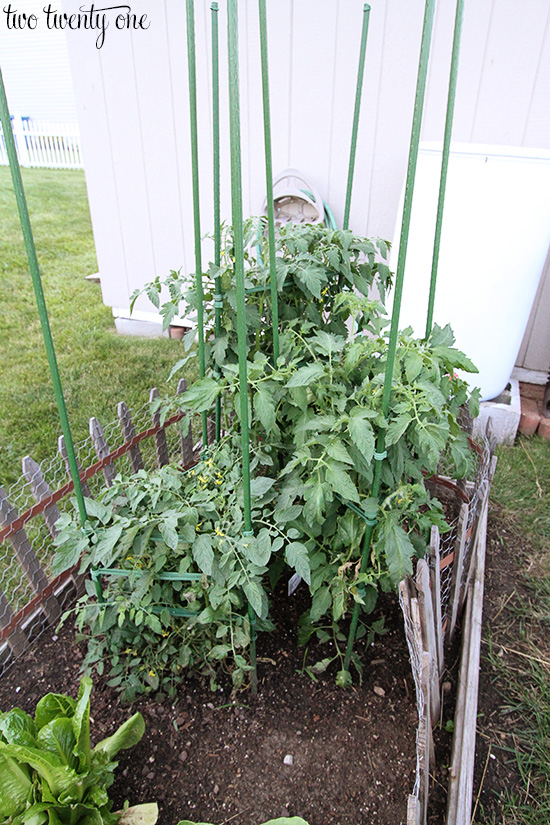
{"type": "Point", "coordinates": [132, 100]}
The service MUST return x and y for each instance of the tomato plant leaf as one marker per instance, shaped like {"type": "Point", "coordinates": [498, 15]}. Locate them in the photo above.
{"type": "Point", "coordinates": [320, 603]}
{"type": "Point", "coordinates": [398, 550]}
{"type": "Point", "coordinates": [256, 598]}
{"type": "Point", "coordinates": [297, 557]}
{"type": "Point", "coordinates": [203, 553]}
{"type": "Point", "coordinates": [307, 375]}
{"type": "Point", "coordinates": [341, 483]}
{"type": "Point", "coordinates": [260, 485]}
{"type": "Point", "coordinates": [336, 449]}
{"type": "Point", "coordinates": [264, 407]}
{"type": "Point", "coordinates": [201, 395]}
{"type": "Point", "coordinates": [413, 365]}
{"type": "Point", "coordinates": [396, 428]}
{"type": "Point", "coordinates": [361, 433]}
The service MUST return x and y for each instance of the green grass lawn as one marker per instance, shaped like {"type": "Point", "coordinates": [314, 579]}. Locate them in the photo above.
{"type": "Point", "coordinates": [98, 367]}
{"type": "Point", "coordinates": [522, 489]}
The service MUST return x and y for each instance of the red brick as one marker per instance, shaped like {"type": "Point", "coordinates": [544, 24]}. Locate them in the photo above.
{"type": "Point", "coordinates": [544, 428]}
{"type": "Point", "coordinates": [530, 416]}
{"type": "Point", "coordinates": [535, 391]}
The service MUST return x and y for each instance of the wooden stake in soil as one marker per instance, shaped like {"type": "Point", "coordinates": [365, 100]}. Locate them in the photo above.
{"type": "Point", "coordinates": [463, 754]}
{"type": "Point", "coordinates": [428, 634]}
{"type": "Point", "coordinates": [425, 739]}
{"type": "Point", "coordinates": [413, 810]}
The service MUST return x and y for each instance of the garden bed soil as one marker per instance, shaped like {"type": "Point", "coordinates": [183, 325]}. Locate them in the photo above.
{"type": "Point", "coordinates": [208, 757]}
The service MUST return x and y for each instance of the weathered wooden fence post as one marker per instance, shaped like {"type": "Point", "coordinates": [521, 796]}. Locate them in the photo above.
{"type": "Point", "coordinates": [186, 440]}
{"type": "Point", "coordinates": [27, 557]}
{"type": "Point", "coordinates": [128, 432]}
{"type": "Point", "coordinates": [161, 445]}
{"type": "Point", "coordinates": [102, 450]}
{"type": "Point", "coordinates": [63, 453]}
{"type": "Point", "coordinates": [41, 491]}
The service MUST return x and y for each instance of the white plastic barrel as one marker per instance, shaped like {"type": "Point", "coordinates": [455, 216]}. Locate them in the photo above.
{"type": "Point", "coordinates": [494, 242]}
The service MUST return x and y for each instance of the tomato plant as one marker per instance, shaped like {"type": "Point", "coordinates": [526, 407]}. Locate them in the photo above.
{"type": "Point", "coordinates": [315, 417]}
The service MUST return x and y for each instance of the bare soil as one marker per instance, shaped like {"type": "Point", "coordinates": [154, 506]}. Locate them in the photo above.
{"type": "Point", "coordinates": [302, 747]}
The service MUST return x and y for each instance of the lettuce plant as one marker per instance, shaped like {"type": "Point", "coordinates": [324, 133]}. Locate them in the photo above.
{"type": "Point", "coordinates": [49, 772]}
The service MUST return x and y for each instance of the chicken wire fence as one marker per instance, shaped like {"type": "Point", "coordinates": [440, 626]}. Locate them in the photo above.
{"type": "Point", "coordinates": [30, 598]}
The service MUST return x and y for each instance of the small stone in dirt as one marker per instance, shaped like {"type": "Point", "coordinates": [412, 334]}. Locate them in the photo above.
{"type": "Point", "coordinates": [288, 760]}
{"type": "Point", "coordinates": [379, 690]}
{"type": "Point", "coordinates": [216, 788]}
{"type": "Point", "coordinates": [183, 756]}
{"type": "Point", "coordinates": [446, 687]}
{"type": "Point", "coordinates": [150, 775]}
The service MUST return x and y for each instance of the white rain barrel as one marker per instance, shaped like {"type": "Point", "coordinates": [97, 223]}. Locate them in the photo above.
{"type": "Point", "coordinates": [494, 243]}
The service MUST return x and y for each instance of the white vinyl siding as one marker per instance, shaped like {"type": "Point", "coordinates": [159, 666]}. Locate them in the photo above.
{"type": "Point", "coordinates": [132, 103]}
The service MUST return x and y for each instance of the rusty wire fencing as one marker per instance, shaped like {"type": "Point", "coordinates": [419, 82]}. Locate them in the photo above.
{"type": "Point", "coordinates": [30, 598]}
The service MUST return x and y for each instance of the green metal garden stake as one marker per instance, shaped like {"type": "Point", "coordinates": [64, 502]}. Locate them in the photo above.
{"type": "Point", "coordinates": [269, 181]}
{"type": "Point", "coordinates": [357, 111]}
{"type": "Point", "coordinates": [253, 663]}
{"type": "Point", "coordinates": [39, 295]}
{"type": "Point", "coordinates": [445, 159]}
{"type": "Point", "coordinates": [218, 297]}
{"type": "Point", "coordinates": [237, 217]}
{"type": "Point", "coordinates": [196, 197]}
{"type": "Point", "coordinates": [380, 452]}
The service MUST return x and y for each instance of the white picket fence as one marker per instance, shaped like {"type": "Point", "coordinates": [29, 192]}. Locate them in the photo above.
{"type": "Point", "coordinates": [51, 145]}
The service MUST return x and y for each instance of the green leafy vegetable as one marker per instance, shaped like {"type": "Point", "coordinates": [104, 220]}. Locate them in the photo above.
{"type": "Point", "coordinates": [48, 769]}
